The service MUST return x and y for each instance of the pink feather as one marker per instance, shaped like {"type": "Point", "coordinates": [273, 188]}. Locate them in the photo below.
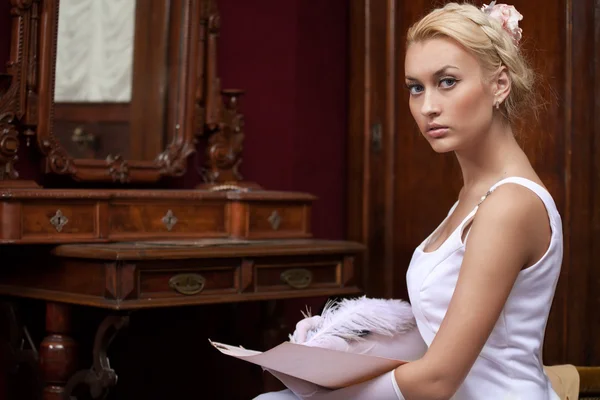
{"type": "Point", "coordinates": [351, 319]}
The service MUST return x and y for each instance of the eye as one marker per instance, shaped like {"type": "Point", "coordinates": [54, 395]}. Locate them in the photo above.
{"type": "Point", "coordinates": [414, 89]}
{"type": "Point", "coordinates": [448, 82]}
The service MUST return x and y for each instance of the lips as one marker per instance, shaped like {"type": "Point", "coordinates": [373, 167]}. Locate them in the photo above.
{"type": "Point", "coordinates": [436, 131]}
{"type": "Point", "coordinates": [432, 127]}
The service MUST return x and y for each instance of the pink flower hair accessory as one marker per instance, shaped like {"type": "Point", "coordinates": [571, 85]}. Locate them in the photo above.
{"type": "Point", "coordinates": [508, 17]}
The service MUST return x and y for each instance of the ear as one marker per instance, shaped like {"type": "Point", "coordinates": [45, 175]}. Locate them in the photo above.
{"type": "Point", "coordinates": [501, 85]}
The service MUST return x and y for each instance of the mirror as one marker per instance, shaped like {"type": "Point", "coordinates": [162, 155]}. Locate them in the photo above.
{"type": "Point", "coordinates": [123, 93]}
{"type": "Point", "coordinates": [93, 85]}
{"type": "Point", "coordinates": [117, 91]}
{"type": "Point", "coordinates": [100, 111]}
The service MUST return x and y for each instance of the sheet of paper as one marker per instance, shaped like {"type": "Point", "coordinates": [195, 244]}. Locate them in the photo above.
{"type": "Point", "coordinates": [328, 368]}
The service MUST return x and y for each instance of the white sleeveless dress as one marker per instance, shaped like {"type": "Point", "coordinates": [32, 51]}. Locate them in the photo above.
{"type": "Point", "coordinates": [510, 365]}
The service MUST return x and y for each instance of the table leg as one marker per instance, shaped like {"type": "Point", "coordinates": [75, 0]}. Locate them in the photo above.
{"type": "Point", "coordinates": [58, 351]}
{"type": "Point", "coordinates": [100, 377]}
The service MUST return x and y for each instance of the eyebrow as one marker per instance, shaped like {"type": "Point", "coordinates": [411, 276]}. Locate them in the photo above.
{"type": "Point", "coordinates": [437, 73]}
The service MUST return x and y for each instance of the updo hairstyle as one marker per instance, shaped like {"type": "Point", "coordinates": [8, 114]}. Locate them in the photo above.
{"type": "Point", "coordinates": [488, 41]}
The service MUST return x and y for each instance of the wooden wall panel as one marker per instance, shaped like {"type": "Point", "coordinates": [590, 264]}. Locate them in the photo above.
{"type": "Point", "coordinates": [594, 281]}
{"type": "Point", "coordinates": [580, 111]}
{"type": "Point", "coordinates": [544, 140]}
{"type": "Point", "coordinates": [402, 190]}
{"type": "Point", "coordinates": [358, 148]}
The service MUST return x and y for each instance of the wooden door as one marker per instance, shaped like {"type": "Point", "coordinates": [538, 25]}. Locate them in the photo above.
{"type": "Point", "coordinates": [399, 190]}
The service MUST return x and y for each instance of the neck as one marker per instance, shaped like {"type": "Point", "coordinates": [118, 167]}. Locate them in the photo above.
{"type": "Point", "coordinates": [490, 160]}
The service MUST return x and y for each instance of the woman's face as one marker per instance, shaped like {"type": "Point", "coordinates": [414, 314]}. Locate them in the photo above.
{"type": "Point", "coordinates": [450, 98]}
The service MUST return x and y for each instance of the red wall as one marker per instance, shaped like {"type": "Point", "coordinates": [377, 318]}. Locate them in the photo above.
{"type": "Point", "coordinates": [4, 33]}
{"type": "Point", "coordinates": [291, 57]}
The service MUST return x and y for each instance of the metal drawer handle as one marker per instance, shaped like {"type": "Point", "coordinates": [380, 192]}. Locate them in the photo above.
{"type": "Point", "coordinates": [298, 278]}
{"type": "Point", "coordinates": [187, 284]}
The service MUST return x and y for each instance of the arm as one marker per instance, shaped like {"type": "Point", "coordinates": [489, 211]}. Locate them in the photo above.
{"type": "Point", "coordinates": [507, 234]}
{"type": "Point", "coordinates": [493, 259]}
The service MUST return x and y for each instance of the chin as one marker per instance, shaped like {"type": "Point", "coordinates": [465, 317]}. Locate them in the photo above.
{"type": "Point", "coordinates": [441, 146]}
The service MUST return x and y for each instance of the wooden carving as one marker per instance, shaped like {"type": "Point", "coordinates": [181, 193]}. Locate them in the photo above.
{"type": "Point", "coordinates": [9, 145]}
{"type": "Point", "coordinates": [213, 83]}
{"type": "Point", "coordinates": [221, 118]}
{"type": "Point", "coordinates": [27, 102]}
{"type": "Point", "coordinates": [21, 84]}
{"type": "Point", "coordinates": [226, 142]}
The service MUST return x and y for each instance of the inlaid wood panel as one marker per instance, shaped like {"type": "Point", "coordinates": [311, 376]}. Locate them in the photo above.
{"type": "Point", "coordinates": [69, 221]}
{"type": "Point", "coordinates": [63, 216]}
{"type": "Point", "coordinates": [196, 219]}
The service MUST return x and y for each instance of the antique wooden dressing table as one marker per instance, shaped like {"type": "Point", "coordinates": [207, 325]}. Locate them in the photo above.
{"type": "Point", "coordinates": [125, 245]}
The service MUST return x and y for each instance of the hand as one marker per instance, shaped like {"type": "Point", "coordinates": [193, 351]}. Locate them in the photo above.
{"type": "Point", "coordinates": [301, 334]}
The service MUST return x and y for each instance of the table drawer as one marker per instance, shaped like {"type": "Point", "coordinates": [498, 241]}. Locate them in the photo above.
{"type": "Point", "coordinates": [181, 220]}
{"type": "Point", "coordinates": [271, 220]}
{"type": "Point", "coordinates": [71, 220]}
{"type": "Point", "coordinates": [299, 276]}
{"type": "Point", "coordinates": [188, 281]}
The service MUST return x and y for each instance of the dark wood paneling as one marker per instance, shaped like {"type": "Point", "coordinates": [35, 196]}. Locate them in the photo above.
{"type": "Point", "coordinates": [581, 307]}
{"type": "Point", "coordinates": [358, 148]}
{"type": "Point", "coordinates": [594, 281]}
{"type": "Point", "coordinates": [546, 140]}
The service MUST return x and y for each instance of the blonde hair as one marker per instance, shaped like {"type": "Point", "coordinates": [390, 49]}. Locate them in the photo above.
{"type": "Point", "coordinates": [488, 41]}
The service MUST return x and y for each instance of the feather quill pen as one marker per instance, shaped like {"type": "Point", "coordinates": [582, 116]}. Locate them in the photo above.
{"type": "Point", "coordinates": [353, 319]}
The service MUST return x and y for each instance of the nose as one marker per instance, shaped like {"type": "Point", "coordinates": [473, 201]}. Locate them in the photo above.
{"type": "Point", "coordinates": [430, 106]}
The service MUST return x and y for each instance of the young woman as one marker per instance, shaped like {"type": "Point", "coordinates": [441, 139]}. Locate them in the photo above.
{"type": "Point", "coordinates": [481, 285]}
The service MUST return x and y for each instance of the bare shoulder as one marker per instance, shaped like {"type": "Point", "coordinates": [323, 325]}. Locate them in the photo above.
{"type": "Point", "coordinates": [517, 214]}
{"type": "Point", "coordinates": [514, 199]}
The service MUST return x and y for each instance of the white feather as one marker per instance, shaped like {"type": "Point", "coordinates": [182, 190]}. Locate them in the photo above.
{"type": "Point", "coordinates": [350, 319]}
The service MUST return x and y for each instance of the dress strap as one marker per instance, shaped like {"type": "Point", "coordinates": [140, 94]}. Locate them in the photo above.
{"type": "Point", "coordinates": [539, 190]}
{"type": "Point", "coordinates": [452, 209]}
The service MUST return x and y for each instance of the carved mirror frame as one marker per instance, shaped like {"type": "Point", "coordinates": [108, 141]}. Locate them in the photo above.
{"type": "Point", "coordinates": [27, 105]}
